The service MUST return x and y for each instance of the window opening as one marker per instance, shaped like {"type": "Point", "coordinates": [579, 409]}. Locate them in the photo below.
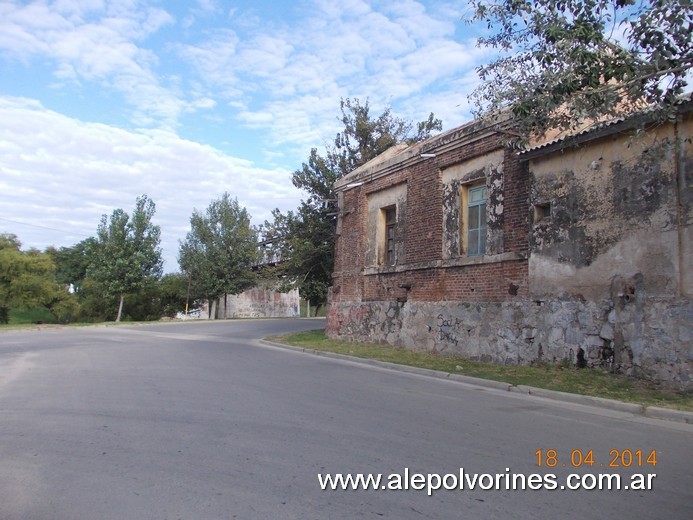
{"type": "Point", "coordinates": [476, 221]}
{"type": "Point", "coordinates": [390, 224]}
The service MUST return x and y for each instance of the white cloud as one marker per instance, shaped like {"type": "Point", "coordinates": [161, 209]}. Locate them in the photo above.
{"type": "Point", "coordinates": [95, 42]}
{"type": "Point", "coordinates": [295, 74]}
{"type": "Point", "coordinates": [213, 62]}
{"type": "Point", "coordinates": [388, 52]}
{"type": "Point", "coordinates": [64, 174]}
{"type": "Point", "coordinates": [204, 103]}
{"type": "Point", "coordinates": [223, 70]}
{"type": "Point", "coordinates": [263, 56]}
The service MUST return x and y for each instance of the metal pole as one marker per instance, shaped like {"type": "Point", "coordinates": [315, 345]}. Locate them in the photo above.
{"type": "Point", "coordinates": [187, 296]}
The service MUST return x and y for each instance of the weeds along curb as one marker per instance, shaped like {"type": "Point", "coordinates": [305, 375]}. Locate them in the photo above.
{"type": "Point", "coordinates": [652, 412]}
{"type": "Point", "coordinates": [602, 402]}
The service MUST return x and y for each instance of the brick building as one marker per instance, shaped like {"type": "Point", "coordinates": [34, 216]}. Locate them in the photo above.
{"type": "Point", "coordinates": [460, 245]}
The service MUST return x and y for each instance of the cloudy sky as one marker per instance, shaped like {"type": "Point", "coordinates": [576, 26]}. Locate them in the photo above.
{"type": "Point", "coordinates": [102, 101]}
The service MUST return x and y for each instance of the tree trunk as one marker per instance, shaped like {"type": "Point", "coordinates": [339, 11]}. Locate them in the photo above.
{"type": "Point", "coordinates": [120, 307]}
{"type": "Point", "coordinates": [213, 311]}
{"type": "Point", "coordinates": [307, 308]}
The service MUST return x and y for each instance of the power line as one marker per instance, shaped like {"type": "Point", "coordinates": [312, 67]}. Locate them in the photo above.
{"type": "Point", "coordinates": [45, 227]}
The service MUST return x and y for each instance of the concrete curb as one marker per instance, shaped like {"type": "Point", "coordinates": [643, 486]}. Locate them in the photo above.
{"type": "Point", "coordinates": [652, 412]}
{"type": "Point", "coordinates": [669, 415]}
{"type": "Point", "coordinates": [601, 402]}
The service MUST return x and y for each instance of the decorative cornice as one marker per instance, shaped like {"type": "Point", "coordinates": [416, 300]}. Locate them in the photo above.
{"type": "Point", "coordinates": [405, 157]}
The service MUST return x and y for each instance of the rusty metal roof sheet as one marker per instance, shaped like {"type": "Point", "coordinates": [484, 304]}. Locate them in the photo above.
{"type": "Point", "coordinates": [684, 99]}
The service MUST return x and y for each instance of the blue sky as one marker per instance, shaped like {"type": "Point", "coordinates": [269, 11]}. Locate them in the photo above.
{"type": "Point", "coordinates": [102, 101]}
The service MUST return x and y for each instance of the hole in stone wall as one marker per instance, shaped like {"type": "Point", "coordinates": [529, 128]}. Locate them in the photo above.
{"type": "Point", "coordinates": [542, 212]}
{"type": "Point", "coordinates": [581, 359]}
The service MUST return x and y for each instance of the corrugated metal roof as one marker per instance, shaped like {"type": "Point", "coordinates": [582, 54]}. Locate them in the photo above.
{"type": "Point", "coordinates": [686, 98]}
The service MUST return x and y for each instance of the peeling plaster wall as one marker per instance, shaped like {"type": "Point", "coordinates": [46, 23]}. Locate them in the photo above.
{"type": "Point", "coordinates": [619, 238]}
{"type": "Point", "coordinates": [613, 213]}
{"type": "Point", "coordinates": [653, 253]}
{"type": "Point", "coordinates": [486, 169]}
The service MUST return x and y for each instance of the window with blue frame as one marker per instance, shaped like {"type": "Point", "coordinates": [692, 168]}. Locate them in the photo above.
{"type": "Point", "coordinates": [476, 220]}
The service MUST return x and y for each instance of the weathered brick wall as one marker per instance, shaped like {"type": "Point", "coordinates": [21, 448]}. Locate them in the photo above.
{"type": "Point", "coordinates": [423, 234]}
{"type": "Point", "coordinates": [349, 250]}
{"type": "Point", "coordinates": [479, 283]}
{"type": "Point", "coordinates": [516, 210]}
{"type": "Point", "coordinates": [421, 267]}
{"type": "Point", "coordinates": [608, 273]}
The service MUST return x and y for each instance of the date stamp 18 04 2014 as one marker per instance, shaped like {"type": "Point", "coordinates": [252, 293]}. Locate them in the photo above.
{"type": "Point", "coordinates": [586, 458]}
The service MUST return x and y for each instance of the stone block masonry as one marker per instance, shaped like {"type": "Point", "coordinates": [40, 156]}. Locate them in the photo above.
{"type": "Point", "coordinates": [654, 342]}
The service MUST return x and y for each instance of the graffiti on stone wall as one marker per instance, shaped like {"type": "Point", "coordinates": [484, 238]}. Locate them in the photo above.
{"type": "Point", "coordinates": [446, 331]}
{"type": "Point", "coordinates": [651, 342]}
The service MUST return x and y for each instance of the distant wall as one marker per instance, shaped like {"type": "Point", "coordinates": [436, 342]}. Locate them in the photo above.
{"type": "Point", "coordinates": [201, 312]}
{"type": "Point", "coordinates": [260, 303]}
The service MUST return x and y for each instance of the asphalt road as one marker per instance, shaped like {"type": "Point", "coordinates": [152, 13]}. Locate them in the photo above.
{"type": "Point", "coordinates": [200, 421]}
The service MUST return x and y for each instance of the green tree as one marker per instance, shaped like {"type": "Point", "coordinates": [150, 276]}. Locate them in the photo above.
{"type": "Point", "coordinates": [304, 239]}
{"type": "Point", "coordinates": [27, 280]}
{"type": "Point", "coordinates": [126, 257]}
{"type": "Point", "coordinates": [220, 250]}
{"type": "Point", "coordinates": [94, 303]}
{"type": "Point", "coordinates": [9, 257]}
{"type": "Point", "coordinates": [174, 294]}
{"type": "Point", "coordinates": [72, 263]}
{"type": "Point", "coordinates": [566, 62]}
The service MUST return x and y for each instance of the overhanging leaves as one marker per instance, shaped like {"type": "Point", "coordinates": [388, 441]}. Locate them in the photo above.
{"type": "Point", "coordinates": [565, 62]}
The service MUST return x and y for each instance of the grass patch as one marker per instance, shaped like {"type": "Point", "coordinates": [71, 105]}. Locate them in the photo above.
{"type": "Point", "coordinates": [26, 316]}
{"type": "Point", "coordinates": [31, 320]}
{"type": "Point", "coordinates": [592, 382]}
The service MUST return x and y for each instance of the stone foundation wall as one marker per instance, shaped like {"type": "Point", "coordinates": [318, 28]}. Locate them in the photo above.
{"type": "Point", "coordinates": [650, 339]}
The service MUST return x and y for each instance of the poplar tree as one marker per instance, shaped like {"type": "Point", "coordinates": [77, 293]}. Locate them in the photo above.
{"type": "Point", "coordinates": [220, 250]}
{"type": "Point", "coordinates": [126, 256]}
